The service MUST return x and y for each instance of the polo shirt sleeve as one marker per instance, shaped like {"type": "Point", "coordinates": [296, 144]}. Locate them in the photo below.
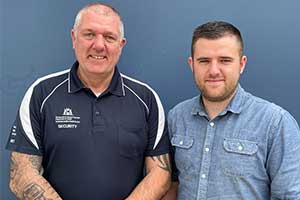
{"type": "Point", "coordinates": [25, 134]}
{"type": "Point", "coordinates": [283, 163]}
{"type": "Point", "coordinates": [158, 139]}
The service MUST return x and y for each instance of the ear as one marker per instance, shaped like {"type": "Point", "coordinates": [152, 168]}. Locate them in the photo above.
{"type": "Point", "coordinates": [123, 42]}
{"type": "Point", "coordinates": [73, 37]}
{"type": "Point", "coordinates": [243, 64]}
{"type": "Point", "coordinates": [190, 61]}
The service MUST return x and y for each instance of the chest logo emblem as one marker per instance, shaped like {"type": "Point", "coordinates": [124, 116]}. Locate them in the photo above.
{"type": "Point", "coordinates": [67, 119]}
{"type": "Point", "coordinates": [68, 111]}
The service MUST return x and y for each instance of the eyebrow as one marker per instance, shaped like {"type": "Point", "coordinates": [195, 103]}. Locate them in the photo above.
{"type": "Point", "coordinates": [87, 30]}
{"type": "Point", "coordinates": [203, 58]}
{"type": "Point", "coordinates": [226, 57]}
{"type": "Point", "coordinates": [105, 33]}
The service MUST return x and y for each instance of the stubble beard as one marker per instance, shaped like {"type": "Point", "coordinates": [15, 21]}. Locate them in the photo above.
{"type": "Point", "coordinates": [225, 94]}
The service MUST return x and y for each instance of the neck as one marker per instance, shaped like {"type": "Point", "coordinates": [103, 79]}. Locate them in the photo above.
{"type": "Point", "coordinates": [97, 83]}
{"type": "Point", "coordinates": [214, 108]}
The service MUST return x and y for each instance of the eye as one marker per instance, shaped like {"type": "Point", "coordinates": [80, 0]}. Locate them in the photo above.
{"type": "Point", "coordinates": [225, 60]}
{"type": "Point", "coordinates": [110, 38]}
{"type": "Point", "coordinates": [88, 35]}
{"type": "Point", "coordinates": [203, 61]}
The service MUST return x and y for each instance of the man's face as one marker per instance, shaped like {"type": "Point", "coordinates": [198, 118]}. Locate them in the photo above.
{"type": "Point", "coordinates": [216, 66]}
{"type": "Point", "coordinates": [97, 42]}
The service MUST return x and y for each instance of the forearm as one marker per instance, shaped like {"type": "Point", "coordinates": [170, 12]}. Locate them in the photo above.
{"type": "Point", "coordinates": [172, 192]}
{"type": "Point", "coordinates": [152, 187]}
{"type": "Point", "coordinates": [33, 186]}
{"type": "Point", "coordinates": [157, 181]}
{"type": "Point", "coordinates": [26, 182]}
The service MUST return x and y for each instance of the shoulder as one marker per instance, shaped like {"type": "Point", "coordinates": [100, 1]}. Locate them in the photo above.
{"type": "Point", "coordinates": [135, 85]}
{"type": "Point", "coordinates": [140, 90]}
{"type": "Point", "coordinates": [262, 103]}
{"type": "Point", "coordinates": [50, 81]}
{"type": "Point", "coordinates": [268, 109]}
{"type": "Point", "coordinates": [43, 87]}
{"type": "Point", "coordinates": [53, 78]}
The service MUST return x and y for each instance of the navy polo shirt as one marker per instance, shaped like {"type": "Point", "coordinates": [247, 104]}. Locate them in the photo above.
{"type": "Point", "coordinates": [92, 147]}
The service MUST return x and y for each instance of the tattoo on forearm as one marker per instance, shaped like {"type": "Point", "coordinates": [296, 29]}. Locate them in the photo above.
{"type": "Point", "coordinates": [13, 168]}
{"type": "Point", "coordinates": [35, 162]}
{"type": "Point", "coordinates": [34, 192]}
{"type": "Point", "coordinates": [163, 162]}
{"type": "Point", "coordinates": [25, 181]}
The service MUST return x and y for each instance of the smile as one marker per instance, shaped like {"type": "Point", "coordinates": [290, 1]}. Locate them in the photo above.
{"type": "Point", "coordinates": [219, 80]}
{"type": "Point", "coordinates": [98, 57]}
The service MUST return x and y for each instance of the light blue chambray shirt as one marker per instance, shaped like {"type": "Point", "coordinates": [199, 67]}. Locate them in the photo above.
{"type": "Point", "coordinates": [250, 151]}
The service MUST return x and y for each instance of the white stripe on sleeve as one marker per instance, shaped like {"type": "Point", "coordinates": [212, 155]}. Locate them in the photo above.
{"type": "Point", "coordinates": [24, 111]}
{"type": "Point", "coordinates": [161, 113]}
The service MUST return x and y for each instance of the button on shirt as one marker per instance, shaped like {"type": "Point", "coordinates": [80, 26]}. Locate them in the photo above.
{"type": "Point", "coordinates": [250, 151]}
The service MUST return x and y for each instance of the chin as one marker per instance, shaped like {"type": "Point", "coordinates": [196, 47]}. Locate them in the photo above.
{"type": "Point", "coordinates": [98, 69]}
{"type": "Point", "coordinates": [215, 96]}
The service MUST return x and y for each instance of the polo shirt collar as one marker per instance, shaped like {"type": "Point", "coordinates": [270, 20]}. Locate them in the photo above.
{"type": "Point", "coordinates": [115, 87]}
{"type": "Point", "coordinates": [235, 106]}
{"type": "Point", "coordinates": [74, 83]}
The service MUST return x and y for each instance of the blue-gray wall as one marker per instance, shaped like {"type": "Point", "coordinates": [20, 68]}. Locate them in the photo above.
{"type": "Point", "coordinates": [35, 40]}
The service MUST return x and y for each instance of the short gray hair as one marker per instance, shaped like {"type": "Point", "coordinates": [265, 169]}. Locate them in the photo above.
{"type": "Point", "coordinates": [85, 8]}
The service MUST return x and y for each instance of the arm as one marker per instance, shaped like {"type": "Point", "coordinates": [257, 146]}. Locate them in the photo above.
{"type": "Point", "coordinates": [26, 182]}
{"type": "Point", "coordinates": [157, 181]}
{"type": "Point", "coordinates": [172, 192]}
{"type": "Point", "coordinates": [283, 164]}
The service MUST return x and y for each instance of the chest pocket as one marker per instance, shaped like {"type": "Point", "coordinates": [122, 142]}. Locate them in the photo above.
{"type": "Point", "coordinates": [132, 141]}
{"type": "Point", "coordinates": [239, 157]}
{"type": "Point", "coordinates": [184, 154]}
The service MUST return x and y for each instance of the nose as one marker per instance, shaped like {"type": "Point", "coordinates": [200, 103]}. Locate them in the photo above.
{"type": "Point", "coordinates": [214, 69]}
{"type": "Point", "coordinates": [99, 43]}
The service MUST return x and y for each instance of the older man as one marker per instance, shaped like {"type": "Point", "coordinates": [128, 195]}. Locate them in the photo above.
{"type": "Point", "coordinates": [91, 129]}
{"type": "Point", "coordinates": [228, 143]}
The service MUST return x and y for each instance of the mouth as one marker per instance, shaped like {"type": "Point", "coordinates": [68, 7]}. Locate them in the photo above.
{"type": "Point", "coordinates": [97, 57]}
{"type": "Point", "coordinates": [215, 80]}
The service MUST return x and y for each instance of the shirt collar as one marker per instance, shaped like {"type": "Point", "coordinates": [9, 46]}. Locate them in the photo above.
{"type": "Point", "coordinates": [75, 83]}
{"type": "Point", "coordinates": [237, 103]}
{"type": "Point", "coordinates": [198, 108]}
{"type": "Point", "coordinates": [235, 106]}
{"type": "Point", "coordinates": [115, 87]}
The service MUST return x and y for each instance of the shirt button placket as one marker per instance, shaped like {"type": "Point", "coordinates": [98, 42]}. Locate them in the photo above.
{"type": "Point", "coordinates": [97, 118]}
{"type": "Point", "coordinates": [96, 114]}
{"type": "Point", "coordinates": [205, 163]}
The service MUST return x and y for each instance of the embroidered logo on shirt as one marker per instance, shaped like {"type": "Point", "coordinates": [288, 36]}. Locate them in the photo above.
{"type": "Point", "coordinates": [67, 111]}
{"type": "Point", "coordinates": [67, 119]}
